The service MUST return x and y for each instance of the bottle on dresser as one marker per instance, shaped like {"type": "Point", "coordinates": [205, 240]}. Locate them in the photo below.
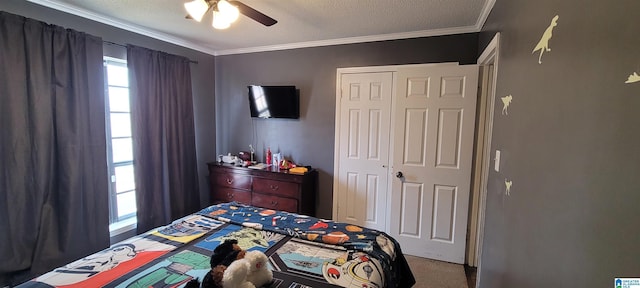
{"type": "Point", "coordinates": [268, 161]}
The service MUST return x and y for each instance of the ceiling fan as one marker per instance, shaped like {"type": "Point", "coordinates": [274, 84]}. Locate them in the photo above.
{"type": "Point", "coordinates": [225, 12]}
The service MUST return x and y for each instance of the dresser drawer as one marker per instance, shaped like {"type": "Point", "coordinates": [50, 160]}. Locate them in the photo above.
{"type": "Point", "coordinates": [228, 194]}
{"type": "Point", "coordinates": [237, 181]}
{"type": "Point", "coordinates": [282, 188]}
{"type": "Point", "coordinates": [274, 202]}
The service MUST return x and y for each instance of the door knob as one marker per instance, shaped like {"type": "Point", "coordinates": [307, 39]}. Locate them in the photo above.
{"type": "Point", "coordinates": [399, 174]}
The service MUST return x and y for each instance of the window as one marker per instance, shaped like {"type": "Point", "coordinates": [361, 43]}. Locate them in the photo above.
{"type": "Point", "coordinates": [122, 187]}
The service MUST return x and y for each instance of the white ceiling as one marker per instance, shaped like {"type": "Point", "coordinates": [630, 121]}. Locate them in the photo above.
{"type": "Point", "coordinates": [301, 23]}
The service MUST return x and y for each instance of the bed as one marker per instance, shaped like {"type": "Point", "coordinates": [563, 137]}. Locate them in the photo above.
{"type": "Point", "coordinates": [303, 252]}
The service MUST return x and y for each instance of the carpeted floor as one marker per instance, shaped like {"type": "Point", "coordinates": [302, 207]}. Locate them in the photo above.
{"type": "Point", "coordinates": [436, 274]}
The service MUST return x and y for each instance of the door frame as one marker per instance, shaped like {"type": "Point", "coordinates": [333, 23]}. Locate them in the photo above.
{"type": "Point", "coordinates": [336, 147]}
{"type": "Point", "coordinates": [490, 56]}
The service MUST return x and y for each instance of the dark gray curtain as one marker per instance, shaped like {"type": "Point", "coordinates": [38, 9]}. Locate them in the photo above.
{"type": "Point", "coordinates": [53, 180]}
{"type": "Point", "coordinates": [164, 136]}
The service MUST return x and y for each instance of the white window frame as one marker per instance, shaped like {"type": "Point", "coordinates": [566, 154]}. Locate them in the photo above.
{"type": "Point", "coordinates": [124, 223]}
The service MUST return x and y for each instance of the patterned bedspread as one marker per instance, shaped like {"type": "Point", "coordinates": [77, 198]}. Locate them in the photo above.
{"type": "Point", "coordinates": [303, 252]}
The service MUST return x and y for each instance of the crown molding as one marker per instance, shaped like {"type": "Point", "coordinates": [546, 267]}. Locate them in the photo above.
{"type": "Point", "coordinates": [352, 40]}
{"type": "Point", "coordinates": [72, 9]}
{"type": "Point", "coordinates": [486, 10]}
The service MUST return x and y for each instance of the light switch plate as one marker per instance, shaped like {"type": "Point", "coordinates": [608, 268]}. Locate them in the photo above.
{"type": "Point", "coordinates": [496, 165]}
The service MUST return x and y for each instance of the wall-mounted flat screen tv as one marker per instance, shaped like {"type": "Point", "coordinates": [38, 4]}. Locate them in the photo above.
{"type": "Point", "coordinates": [274, 101]}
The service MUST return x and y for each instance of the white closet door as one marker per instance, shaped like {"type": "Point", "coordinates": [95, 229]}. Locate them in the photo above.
{"type": "Point", "coordinates": [362, 184]}
{"type": "Point", "coordinates": [433, 130]}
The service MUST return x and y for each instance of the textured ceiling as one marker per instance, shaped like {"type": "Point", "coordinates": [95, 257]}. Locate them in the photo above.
{"type": "Point", "coordinates": [301, 23]}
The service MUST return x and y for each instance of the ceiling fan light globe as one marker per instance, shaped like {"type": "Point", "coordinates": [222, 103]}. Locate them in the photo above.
{"type": "Point", "coordinates": [219, 21]}
{"type": "Point", "coordinates": [229, 12]}
{"type": "Point", "coordinates": [196, 9]}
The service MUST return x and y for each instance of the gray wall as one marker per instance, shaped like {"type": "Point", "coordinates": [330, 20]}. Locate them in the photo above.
{"type": "Point", "coordinates": [569, 144]}
{"type": "Point", "coordinates": [201, 73]}
{"type": "Point", "coordinates": [310, 140]}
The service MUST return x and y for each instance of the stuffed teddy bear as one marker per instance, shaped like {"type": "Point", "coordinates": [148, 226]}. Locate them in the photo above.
{"type": "Point", "coordinates": [223, 255]}
{"type": "Point", "coordinates": [248, 272]}
{"type": "Point", "coordinates": [232, 267]}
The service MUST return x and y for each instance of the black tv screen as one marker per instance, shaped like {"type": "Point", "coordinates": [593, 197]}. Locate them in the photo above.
{"type": "Point", "coordinates": [274, 101]}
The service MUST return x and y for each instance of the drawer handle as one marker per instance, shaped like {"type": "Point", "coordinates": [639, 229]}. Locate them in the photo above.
{"type": "Point", "coordinates": [230, 195]}
{"type": "Point", "coordinates": [273, 187]}
{"type": "Point", "coordinates": [229, 181]}
{"type": "Point", "coordinates": [274, 203]}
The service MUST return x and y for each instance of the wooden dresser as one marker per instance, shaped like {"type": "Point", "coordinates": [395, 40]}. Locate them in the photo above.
{"type": "Point", "coordinates": [269, 188]}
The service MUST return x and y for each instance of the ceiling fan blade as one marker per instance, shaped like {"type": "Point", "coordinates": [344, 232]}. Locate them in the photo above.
{"type": "Point", "coordinates": [254, 14]}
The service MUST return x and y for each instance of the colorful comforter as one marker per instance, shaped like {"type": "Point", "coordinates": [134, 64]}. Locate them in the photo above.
{"type": "Point", "coordinates": [303, 252]}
